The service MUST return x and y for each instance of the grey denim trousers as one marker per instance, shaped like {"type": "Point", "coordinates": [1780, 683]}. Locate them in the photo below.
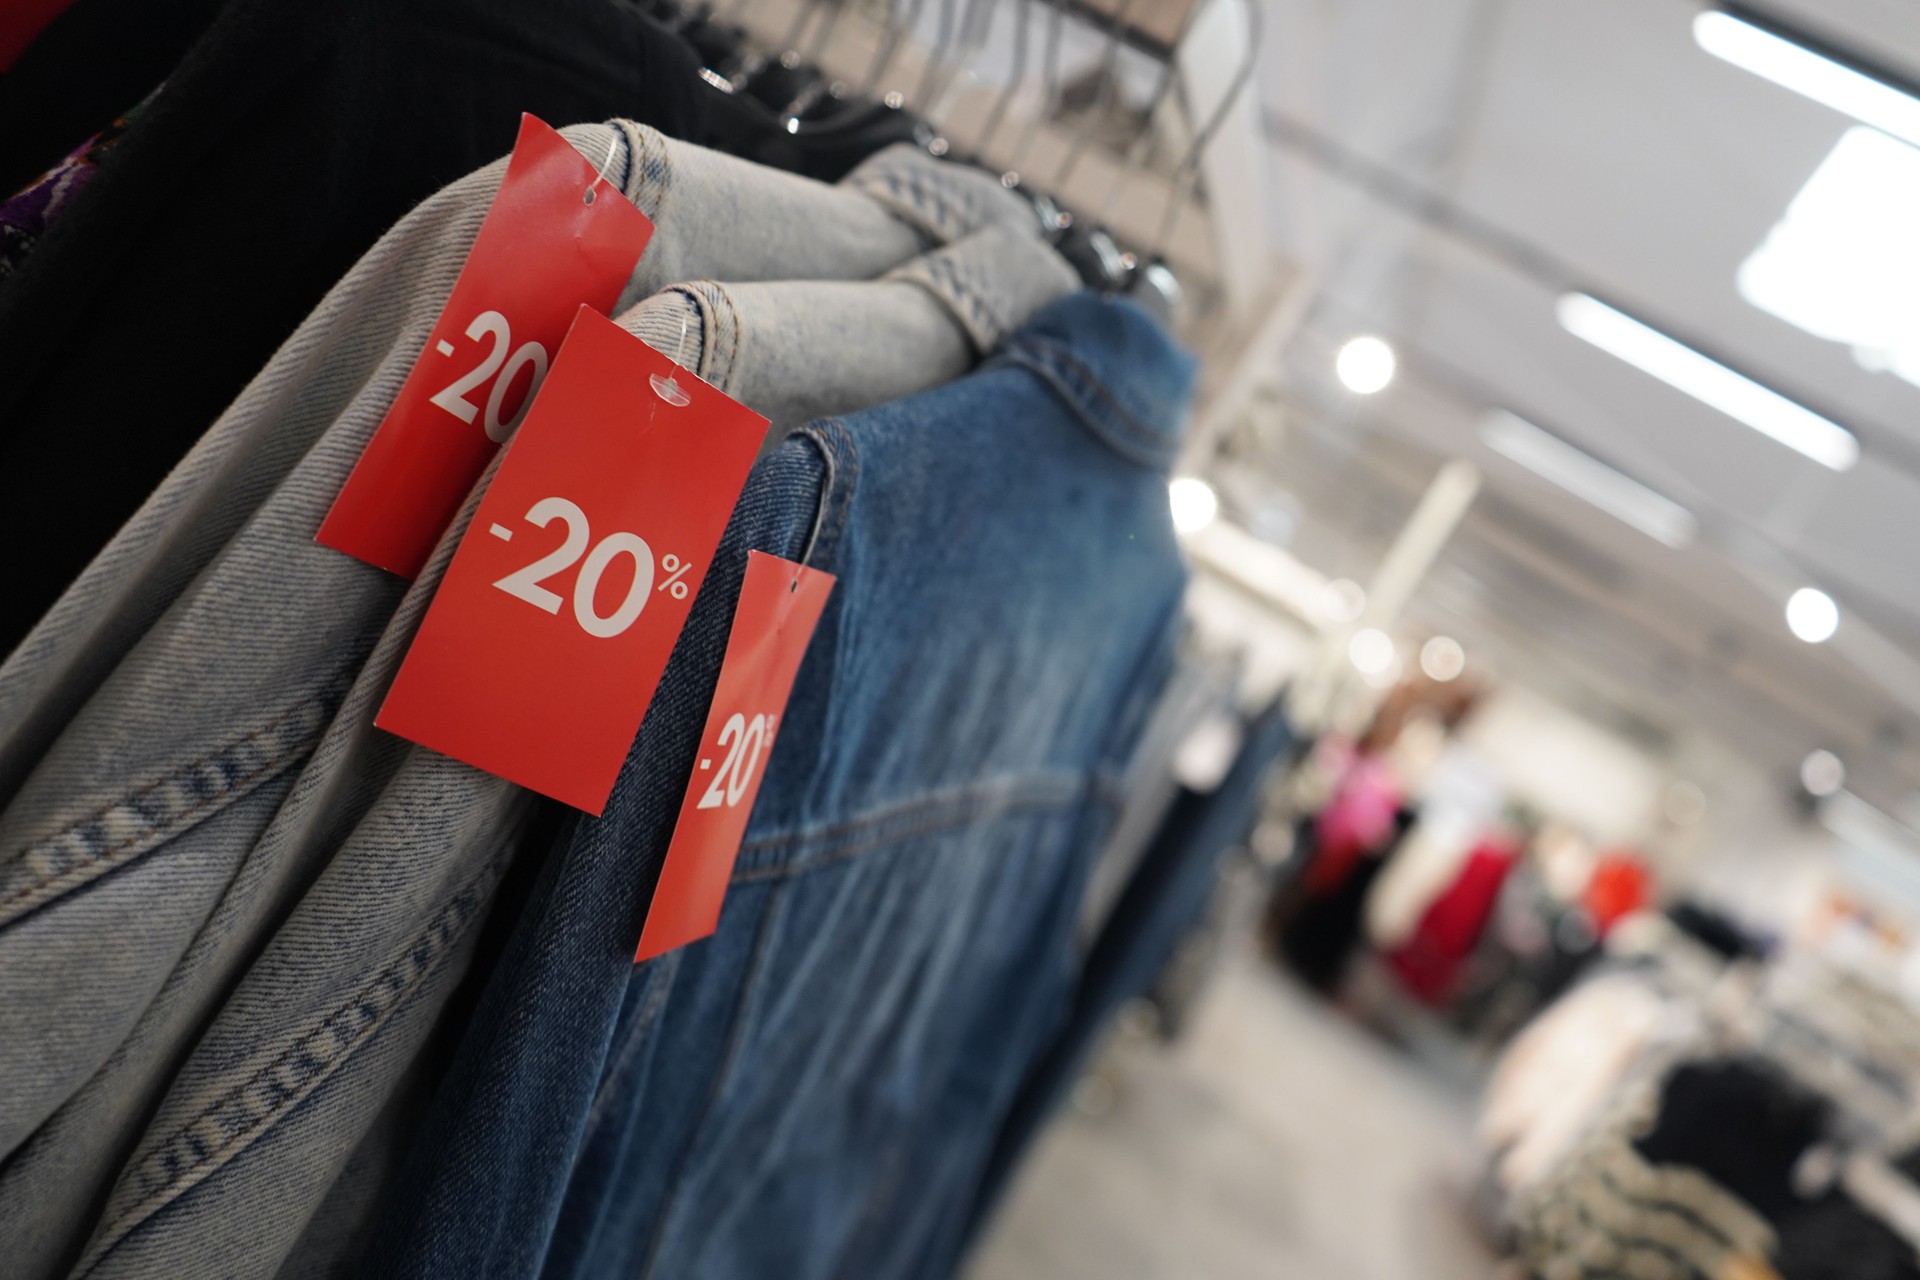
{"type": "Point", "coordinates": [207, 690]}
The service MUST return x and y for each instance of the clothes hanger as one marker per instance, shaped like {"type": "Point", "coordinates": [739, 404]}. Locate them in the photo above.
{"type": "Point", "coordinates": [1154, 284]}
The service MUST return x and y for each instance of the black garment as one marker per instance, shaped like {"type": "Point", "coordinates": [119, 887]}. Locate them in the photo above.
{"type": "Point", "coordinates": [1833, 1238]}
{"type": "Point", "coordinates": [827, 148]}
{"type": "Point", "coordinates": [290, 138]}
{"type": "Point", "coordinates": [87, 66]}
{"type": "Point", "coordinates": [1325, 931]}
{"type": "Point", "coordinates": [1741, 1123]}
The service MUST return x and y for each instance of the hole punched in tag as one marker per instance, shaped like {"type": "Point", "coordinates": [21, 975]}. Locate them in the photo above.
{"type": "Point", "coordinates": [665, 387]}
{"type": "Point", "coordinates": [593, 187]}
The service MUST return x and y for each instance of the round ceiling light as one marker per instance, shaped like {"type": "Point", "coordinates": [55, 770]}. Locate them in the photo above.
{"type": "Point", "coordinates": [1365, 364]}
{"type": "Point", "coordinates": [1812, 615]}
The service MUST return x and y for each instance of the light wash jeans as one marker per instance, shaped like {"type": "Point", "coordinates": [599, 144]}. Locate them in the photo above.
{"type": "Point", "coordinates": [205, 718]}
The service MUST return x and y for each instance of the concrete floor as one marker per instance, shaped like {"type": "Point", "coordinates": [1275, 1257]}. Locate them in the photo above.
{"type": "Point", "coordinates": [1274, 1140]}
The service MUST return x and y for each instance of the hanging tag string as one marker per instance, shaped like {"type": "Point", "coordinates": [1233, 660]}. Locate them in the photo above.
{"type": "Point", "coordinates": [613, 144]}
{"type": "Point", "coordinates": [665, 387]}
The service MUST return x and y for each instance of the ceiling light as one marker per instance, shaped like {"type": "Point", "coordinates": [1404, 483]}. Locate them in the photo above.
{"type": "Point", "coordinates": [1843, 263]}
{"type": "Point", "coordinates": [1822, 774]}
{"type": "Point", "coordinates": [1365, 364]}
{"type": "Point", "coordinates": [1443, 659]}
{"type": "Point", "coordinates": [1586, 477]}
{"type": "Point", "coordinates": [1194, 504]}
{"type": "Point", "coordinates": [1812, 615]}
{"type": "Point", "coordinates": [1342, 600]}
{"type": "Point", "coordinates": [1708, 381]}
{"type": "Point", "coordinates": [1372, 651]}
{"type": "Point", "coordinates": [1810, 74]}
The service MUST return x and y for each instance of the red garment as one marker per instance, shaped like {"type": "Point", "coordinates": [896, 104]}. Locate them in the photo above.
{"type": "Point", "coordinates": [21, 22]}
{"type": "Point", "coordinates": [1620, 885]}
{"type": "Point", "coordinates": [1429, 962]}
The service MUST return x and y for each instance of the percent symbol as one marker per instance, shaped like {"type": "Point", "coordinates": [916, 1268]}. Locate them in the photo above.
{"type": "Point", "coordinates": [676, 569]}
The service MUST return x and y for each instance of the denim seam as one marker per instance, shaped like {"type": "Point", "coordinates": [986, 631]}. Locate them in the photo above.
{"type": "Point", "coordinates": [819, 849]}
{"type": "Point", "coordinates": [53, 865]}
{"type": "Point", "coordinates": [666, 971]}
{"type": "Point", "coordinates": [731, 324]}
{"type": "Point", "coordinates": [203, 1143]}
{"type": "Point", "coordinates": [1056, 784]}
{"type": "Point", "coordinates": [802, 866]}
{"type": "Point", "coordinates": [651, 174]}
{"type": "Point", "coordinates": [1075, 378]}
{"type": "Point", "coordinates": [842, 455]}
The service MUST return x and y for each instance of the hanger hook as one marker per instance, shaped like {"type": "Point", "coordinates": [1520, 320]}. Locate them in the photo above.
{"type": "Point", "coordinates": [1109, 60]}
{"type": "Point", "coordinates": [824, 32]}
{"type": "Point", "coordinates": [1133, 158]}
{"type": "Point", "coordinates": [800, 23]}
{"type": "Point", "coordinates": [1049, 88]}
{"type": "Point", "coordinates": [1016, 74]}
{"type": "Point", "coordinates": [1189, 171]}
{"type": "Point", "coordinates": [890, 43]}
{"type": "Point", "coordinates": [976, 22]}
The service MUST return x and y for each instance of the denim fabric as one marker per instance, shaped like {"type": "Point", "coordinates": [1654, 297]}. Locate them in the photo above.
{"type": "Point", "coordinates": [225, 759]}
{"type": "Point", "coordinates": [715, 216]}
{"type": "Point", "coordinates": [811, 1091]}
{"type": "Point", "coordinates": [794, 350]}
{"type": "Point", "coordinates": [1164, 899]}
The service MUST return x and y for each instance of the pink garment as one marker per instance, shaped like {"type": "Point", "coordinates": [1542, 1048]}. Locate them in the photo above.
{"type": "Point", "coordinates": [1357, 821]}
{"type": "Point", "coordinates": [1429, 962]}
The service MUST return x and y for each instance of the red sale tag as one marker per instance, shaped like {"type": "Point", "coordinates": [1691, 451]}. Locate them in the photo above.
{"type": "Point", "coordinates": [557, 235]}
{"type": "Point", "coordinates": [780, 603]}
{"type": "Point", "coordinates": [542, 647]}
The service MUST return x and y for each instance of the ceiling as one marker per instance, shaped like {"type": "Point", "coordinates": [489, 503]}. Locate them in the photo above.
{"type": "Point", "coordinates": [1446, 169]}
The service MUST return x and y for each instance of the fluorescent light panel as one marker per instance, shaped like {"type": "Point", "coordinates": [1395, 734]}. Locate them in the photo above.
{"type": "Point", "coordinates": [1588, 478]}
{"type": "Point", "coordinates": [1709, 381]}
{"type": "Point", "coordinates": [1810, 74]}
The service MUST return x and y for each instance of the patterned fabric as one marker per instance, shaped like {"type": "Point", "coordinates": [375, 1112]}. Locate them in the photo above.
{"type": "Point", "coordinates": [26, 215]}
{"type": "Point", "coordinates": [1608, 1214]}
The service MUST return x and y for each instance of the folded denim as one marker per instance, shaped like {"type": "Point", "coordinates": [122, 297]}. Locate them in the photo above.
{"type": "Point", "coordinates": [812, 1091]}
{"type": "Point", "coordinates": [213, 770]}
{"type": "Point", "coordinates": [716, 216]}
{"type": "Point", "coordinates": [796, 350]}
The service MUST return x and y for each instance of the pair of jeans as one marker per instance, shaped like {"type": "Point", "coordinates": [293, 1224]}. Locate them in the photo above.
{"type": "Point", "coordinates": [793, 350]}
{"type": "Point", "coordinates": [224, 777]}
{"type": "Point", "coordinates": [1164, 899]}
{"type": "Point", "coordinates": [812, 1090]}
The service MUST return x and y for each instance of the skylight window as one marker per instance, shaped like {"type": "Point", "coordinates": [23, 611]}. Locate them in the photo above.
{"type": "Point", "coordinates": [1843, 263]}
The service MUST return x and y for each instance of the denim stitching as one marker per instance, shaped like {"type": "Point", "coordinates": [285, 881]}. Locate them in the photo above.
{"type": "Point", "coordinates": [663, 976]}
{"type": "Point", "coordinates": [1055, 365]}
{"type": "Point", "coordinates": [232, 1122]}
{"type": "Point", "coordinates": [842, 456]}
{"type": "Point", "coordinates": [887, 839]}
{"type": "Point", "coordinates": [933, 813]}
{"type": "Point", "coordinates": [113, 836]}
{"type": "Point", "coordinates": [652, 172]}
{"type": "Point", "coordinates": [1057, 783]}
